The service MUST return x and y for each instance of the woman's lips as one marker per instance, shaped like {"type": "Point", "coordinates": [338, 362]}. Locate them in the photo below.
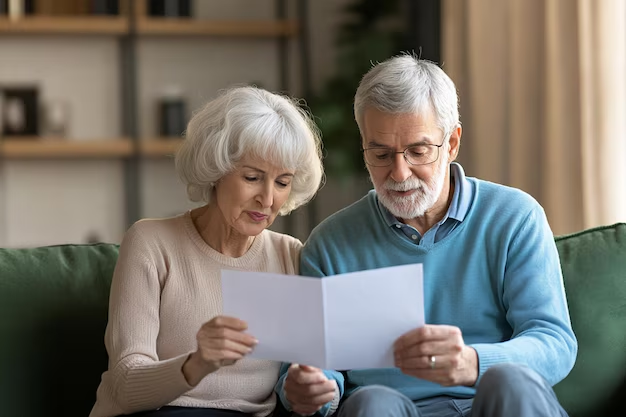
{"type": "Point", "coordinates": [256, 216]}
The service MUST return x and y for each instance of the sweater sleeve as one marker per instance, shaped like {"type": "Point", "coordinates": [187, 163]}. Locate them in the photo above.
{"type": "Point", "coordinates": [533, 296]}
{"type": "Point", "coordinates": [138, 380]}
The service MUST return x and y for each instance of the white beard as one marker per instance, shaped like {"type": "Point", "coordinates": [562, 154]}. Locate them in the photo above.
{"type": "Point", "coordinates": [418, 203]}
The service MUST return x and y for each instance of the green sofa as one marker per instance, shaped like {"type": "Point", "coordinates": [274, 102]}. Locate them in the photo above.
{"type": "Point", "coordinates": [53, 312]}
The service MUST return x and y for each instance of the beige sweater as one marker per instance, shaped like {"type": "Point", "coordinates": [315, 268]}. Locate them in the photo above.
{"type": "Point", "coordinates": [165, 286]}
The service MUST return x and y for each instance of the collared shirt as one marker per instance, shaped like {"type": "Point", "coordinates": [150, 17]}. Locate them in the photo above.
{"type": "Point", "coordinates": [459, 207]}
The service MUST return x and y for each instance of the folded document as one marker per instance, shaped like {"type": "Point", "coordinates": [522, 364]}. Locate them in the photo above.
{"type": "Point", "coordinates": [346, 321]}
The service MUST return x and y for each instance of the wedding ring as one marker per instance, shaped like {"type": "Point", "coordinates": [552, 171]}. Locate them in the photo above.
{"type": "Point", "coordinates": [433, 361]}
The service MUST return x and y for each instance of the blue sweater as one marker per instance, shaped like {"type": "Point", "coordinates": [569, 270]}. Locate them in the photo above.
{"type": "Point", "coordinates": [496, 276]}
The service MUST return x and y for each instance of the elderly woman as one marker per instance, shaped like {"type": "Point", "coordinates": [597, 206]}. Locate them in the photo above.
{"type": "Point", "coordinates": [250, 155]}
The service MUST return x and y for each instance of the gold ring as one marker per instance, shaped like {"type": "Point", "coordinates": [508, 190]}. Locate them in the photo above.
{"type": "Point", "coordinates": [433, 361]}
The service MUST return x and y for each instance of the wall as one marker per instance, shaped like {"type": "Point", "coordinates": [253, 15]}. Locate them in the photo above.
{"type": "Point", "coordinates": [50, 201]}
{"type": "Point", "coordinates": [66, 201]}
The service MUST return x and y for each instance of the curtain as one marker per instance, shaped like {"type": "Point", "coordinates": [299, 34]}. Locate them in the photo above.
{"type": "Point", "coordinates": [542, 86]}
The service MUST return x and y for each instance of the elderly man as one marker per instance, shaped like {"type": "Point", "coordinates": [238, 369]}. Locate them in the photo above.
{"type": "Point", "coordinates": [498, 333]}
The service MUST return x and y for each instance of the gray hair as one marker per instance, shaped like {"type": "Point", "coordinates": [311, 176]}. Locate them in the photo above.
{"type": "Point", "coordinates": [245, 121]}
{"type": "Point", "coordinates": [407, 84]}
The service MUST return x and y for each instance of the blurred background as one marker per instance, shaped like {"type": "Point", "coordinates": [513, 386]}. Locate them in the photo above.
{"type": "Point", "coordinates": [95, 95]}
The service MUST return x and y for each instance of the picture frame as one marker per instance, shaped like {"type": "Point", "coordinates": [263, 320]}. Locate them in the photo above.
{"type": "Point", "coordinates": [19, 110]}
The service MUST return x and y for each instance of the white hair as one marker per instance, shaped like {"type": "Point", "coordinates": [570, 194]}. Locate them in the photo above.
{"type": "Point", "coordinates": [249, 121]}
{"type": "Point", "coordinates": [406, 84]}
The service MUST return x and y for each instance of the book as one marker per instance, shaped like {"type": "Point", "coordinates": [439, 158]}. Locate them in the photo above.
{"type": "Point", "coordinates": [169, 8]}
{"type": "Point", "coordinates": [60, 7]}
{"type": "Point", "coordinates": [15, 9]}
{"type": "Point", "coordinates": [105, 7]}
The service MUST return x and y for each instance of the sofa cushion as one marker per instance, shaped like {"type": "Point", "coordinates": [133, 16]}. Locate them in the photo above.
{"type": "Point", "coordinates": [594, 270]}
{"type": "Point", "coordinates": [53, 313]}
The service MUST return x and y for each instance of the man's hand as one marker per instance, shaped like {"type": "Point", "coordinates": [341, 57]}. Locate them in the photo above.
{"type": "Point", "coordinates": [307, 389]}
{"type": "Point", "coordinates": [454, 363]}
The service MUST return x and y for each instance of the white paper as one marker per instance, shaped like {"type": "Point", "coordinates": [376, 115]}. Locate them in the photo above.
{"type": "Point", "coordinates": [346, 321]}
{"type": "Point", "coordinates": [283, 312]}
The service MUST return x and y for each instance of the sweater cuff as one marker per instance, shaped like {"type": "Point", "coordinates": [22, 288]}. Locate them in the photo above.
{"type": "Point", "coordinates": [334, 405]}
{"type": "Point", "coordinates": [488, 356]}
{"type": "Point", "coordinates": [146, 385]}
{"type": "Point", "coordinates": [282, 397]}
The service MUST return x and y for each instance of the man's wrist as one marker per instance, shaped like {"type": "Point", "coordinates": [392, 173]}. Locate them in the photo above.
{"type": "Point", "coordinates": [283, 399]}
{"type": "Point", "coordinates": [471, 361]}
{"type": "Point", "coordinates": [334, 404]}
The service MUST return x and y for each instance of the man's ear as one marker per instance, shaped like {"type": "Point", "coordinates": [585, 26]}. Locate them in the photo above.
{"type": "Point", "coordinates": [455, 143]}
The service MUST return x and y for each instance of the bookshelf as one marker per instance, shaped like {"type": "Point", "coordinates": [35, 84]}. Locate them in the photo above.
{"type": "Point", "coordinates": [135, 149]}
{"type": "Point", "coordinates": [65, 25]}
{"type": "Point", "coordinates": [191, 27]}
{"type": "Point", "coordinates": [54, 148]}
{"type": "Point", "coordinates": [159, 147]}
{"type": "Point", "coordinates": [36, 148]}
{"type": "Point", "coordinates": [118, 26]}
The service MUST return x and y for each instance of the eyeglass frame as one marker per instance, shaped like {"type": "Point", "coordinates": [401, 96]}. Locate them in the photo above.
{"type": "Point", "coordinates": [393, 153]}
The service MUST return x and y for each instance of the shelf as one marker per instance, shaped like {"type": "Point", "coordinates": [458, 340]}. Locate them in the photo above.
{"type": "Point", "coordinates": [119, 25]}
{"type": "Point", "coordinates": [159, 147]}
{"type": "Point", "coordinates": [83, 25]}
{"type": "Point", "coordinates": [38, 148]}
{"type": "Point", "coordinates": [191, 27]}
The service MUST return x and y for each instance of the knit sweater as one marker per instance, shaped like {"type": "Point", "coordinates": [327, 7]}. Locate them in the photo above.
{"type": "Point", "coordinates": [165, 286]}
{"type": "Point", "coordinates": [496, 276]}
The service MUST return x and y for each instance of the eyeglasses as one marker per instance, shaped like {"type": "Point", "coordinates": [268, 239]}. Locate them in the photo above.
{"type": "Point", "coordinates": [415, 155]}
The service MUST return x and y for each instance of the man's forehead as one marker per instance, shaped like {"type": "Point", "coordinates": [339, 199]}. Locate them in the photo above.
{"type": "Point", "coordinates": [392, 140]}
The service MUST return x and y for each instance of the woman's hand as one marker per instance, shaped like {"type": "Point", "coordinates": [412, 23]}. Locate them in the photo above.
{"type": "Point", "coordinates": [221, 342]}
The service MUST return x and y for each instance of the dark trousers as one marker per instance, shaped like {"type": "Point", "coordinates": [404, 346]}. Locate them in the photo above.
{"type": "Point", "coordinates": [169, 411]}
